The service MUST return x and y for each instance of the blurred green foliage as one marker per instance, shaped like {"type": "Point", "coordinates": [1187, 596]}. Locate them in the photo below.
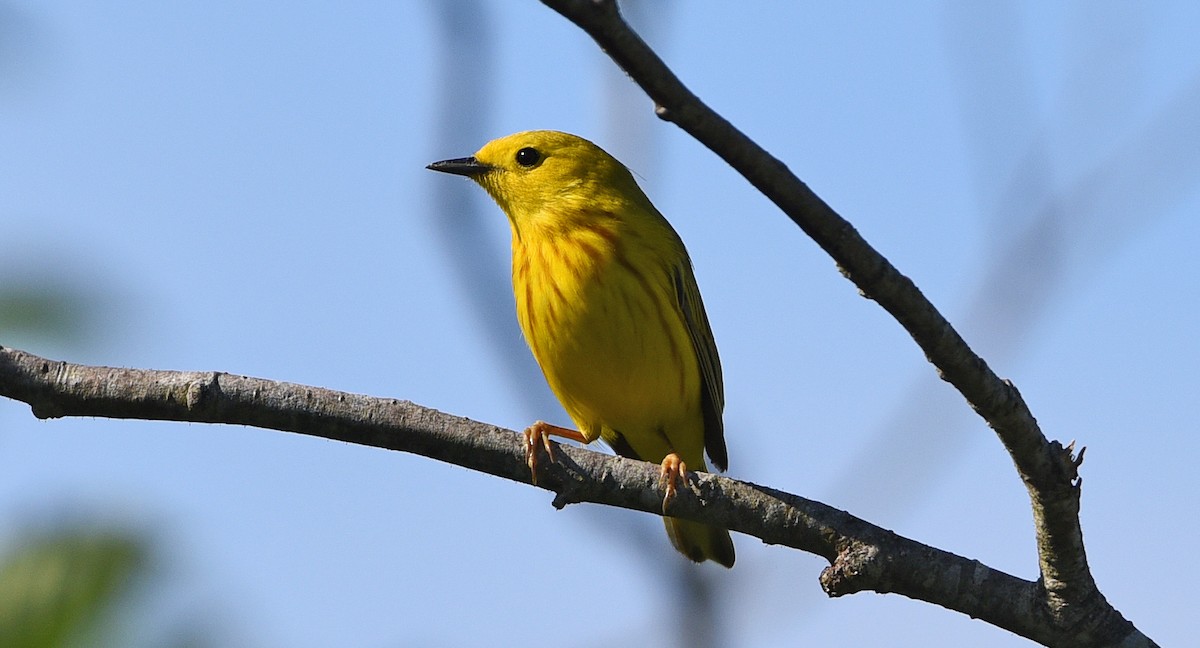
{"type": "Point", "coordinates": [43, 311]}
{"type": "Point", "coordinates": [61, 588]}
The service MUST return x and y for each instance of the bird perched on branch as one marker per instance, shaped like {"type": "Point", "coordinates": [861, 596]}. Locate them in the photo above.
{"type": "Point", "coordinates": [608, 303]}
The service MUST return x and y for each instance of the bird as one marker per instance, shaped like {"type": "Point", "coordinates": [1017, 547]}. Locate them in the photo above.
{"type": "Point", "coordinates": [608, 303]}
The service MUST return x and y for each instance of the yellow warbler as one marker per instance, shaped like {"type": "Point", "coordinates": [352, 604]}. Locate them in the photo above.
{"type": "Point", "coordinates": [608, 303]}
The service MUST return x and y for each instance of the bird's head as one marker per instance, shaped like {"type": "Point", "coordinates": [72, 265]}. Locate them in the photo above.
{"type": "Point", "coordinates": [537, 173]}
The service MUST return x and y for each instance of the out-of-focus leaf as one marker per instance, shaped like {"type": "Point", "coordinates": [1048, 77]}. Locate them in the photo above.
{"type": "Point", "coordinates": [43, 311]}
{"type": "Point", "coordinates": [55, 589]}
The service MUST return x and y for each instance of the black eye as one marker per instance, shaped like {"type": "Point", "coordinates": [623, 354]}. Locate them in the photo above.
{"type": "Point", "coordinates": [528, 157]}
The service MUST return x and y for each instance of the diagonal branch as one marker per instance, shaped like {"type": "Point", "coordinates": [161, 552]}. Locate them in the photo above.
{"type": "Point", "coordinates": [862, 556]}
{"type": "Point", "coordinates": [1048, 470]}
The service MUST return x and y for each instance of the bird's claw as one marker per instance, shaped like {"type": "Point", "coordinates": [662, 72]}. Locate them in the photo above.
{"type": "Point", "coordinates": [537, 435]}
{"type": "Point", "coordinates": [673, 470]}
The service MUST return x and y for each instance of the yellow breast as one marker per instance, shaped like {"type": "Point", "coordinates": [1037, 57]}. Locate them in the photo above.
{"type": "Point", "coordinates": [598, 308]}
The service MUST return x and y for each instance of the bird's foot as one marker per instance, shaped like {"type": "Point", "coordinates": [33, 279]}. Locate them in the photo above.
{"type": "Point", "coordinates": [537, 436]}
{"type": "Point", "coordinates": [673, 471]}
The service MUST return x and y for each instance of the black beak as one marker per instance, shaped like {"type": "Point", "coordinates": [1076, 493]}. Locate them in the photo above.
{"type": "Point", "coordinates": [467, 166]}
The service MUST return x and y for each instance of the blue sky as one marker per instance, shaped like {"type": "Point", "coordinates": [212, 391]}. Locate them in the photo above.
{"type": "Point", "coordinates": [241, 187]}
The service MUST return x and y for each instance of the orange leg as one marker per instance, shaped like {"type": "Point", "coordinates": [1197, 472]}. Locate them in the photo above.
{"type": "Point", "coordinates": [539, 434]}
{"type": "Point", "coordinates": [673, 470]}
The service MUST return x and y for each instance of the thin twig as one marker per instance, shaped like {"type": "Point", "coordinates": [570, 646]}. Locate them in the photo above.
{"type": "Point", "coordinates": [1048, 470]}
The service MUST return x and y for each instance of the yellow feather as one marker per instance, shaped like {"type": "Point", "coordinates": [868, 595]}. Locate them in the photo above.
{"type": "Point", "coordinates": [608, 303]}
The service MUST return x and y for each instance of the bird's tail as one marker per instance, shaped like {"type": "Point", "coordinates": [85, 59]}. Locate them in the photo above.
{"type": "Point", "coordinates": [700, 542]}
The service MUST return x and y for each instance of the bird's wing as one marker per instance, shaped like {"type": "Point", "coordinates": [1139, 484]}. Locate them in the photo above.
{"type": "Point", "coordinates": [712, 390]}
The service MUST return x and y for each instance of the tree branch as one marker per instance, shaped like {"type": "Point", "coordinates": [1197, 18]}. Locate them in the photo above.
{"type": "Point", "coordinates": [1048, 470]}
{"type": "Point", "coordinates": [1063, 607]}
{"type": "Point", "coordinates": [862, 556]}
